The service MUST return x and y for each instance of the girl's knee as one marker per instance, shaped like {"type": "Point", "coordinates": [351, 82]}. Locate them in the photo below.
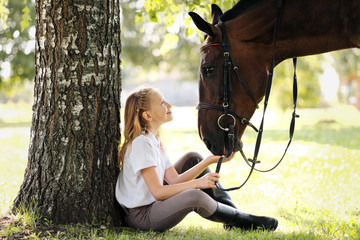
{"type": "Point", "coordinates": [187, 161]}
{"type": "Point", "coordinates": [200, 202]}
{"type": "Point", "coordinates": [196, 197]}
{"type": "Point", "coordinates": [190, 155]}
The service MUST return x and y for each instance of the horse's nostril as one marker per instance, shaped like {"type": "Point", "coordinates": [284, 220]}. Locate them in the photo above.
{"type": "Point", "coordinates": [207, 143]}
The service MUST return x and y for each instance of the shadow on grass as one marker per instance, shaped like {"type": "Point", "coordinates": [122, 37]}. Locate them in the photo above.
{"type": "Point", "coordinates": [216, 234]}
{"type": "Point", "coordinates": [12, 229]}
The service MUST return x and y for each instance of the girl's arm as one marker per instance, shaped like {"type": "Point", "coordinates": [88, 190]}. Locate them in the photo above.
{"type": "Point", "coordinates": [172, 176]}
{"type": "Point", "coordinates": [161, 192]}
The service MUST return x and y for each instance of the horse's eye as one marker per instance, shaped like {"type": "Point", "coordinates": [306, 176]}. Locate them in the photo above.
{"type": "Point", "coordinates": [207, 71]}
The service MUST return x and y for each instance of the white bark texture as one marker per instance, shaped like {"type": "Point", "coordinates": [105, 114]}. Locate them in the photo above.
{"type": "Point", "coordinates": [75, 131]}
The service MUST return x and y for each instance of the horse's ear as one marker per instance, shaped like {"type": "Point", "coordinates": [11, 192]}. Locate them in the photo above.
{"type": "Point", "coordinates": [202, 24]}
{"type": "Point", "coordinates": [216, 12]}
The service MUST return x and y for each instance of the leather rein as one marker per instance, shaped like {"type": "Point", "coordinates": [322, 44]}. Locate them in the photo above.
{"type": "Point", "coordinates": [225, 108]}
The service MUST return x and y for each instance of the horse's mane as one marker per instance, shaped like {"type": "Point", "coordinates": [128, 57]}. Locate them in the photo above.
{"type": "Point", "coordinates": [241, 7]}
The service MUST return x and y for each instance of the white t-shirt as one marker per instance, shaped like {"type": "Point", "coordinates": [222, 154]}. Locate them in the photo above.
{"type": "Point", "coordinates": [145, 151]}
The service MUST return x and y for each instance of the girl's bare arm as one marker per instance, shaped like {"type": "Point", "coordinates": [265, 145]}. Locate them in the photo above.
{"type": "Point", "coordinates": [161, 192]}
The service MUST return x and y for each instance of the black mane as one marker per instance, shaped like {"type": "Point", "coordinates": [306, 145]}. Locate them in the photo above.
{"type": "Point", "coordinates": [241, 7]}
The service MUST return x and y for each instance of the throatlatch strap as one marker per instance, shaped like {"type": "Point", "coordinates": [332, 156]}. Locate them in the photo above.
{"type": "Point", "coordinates": [292, 125]}
{"type": "Point", "coordinates": [269, 82]}
{"type": "Point", "coordinates": [267, 95]}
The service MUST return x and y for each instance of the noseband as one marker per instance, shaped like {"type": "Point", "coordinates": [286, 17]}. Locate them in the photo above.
{"type": "Point", "coordinates": [225, 108]}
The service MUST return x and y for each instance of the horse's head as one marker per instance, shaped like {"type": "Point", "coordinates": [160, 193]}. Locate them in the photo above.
{"type": "Point", "coordinates": [213, 86]}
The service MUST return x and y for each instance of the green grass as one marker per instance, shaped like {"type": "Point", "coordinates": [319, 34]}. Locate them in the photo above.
{"type": "Point", "coordinates": [314, 193]}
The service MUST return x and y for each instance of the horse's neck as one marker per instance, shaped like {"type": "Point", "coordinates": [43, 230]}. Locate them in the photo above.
{"type": "Point", "coordinates": [307, 27]}
{"type": "Point", "coordinates": [312, 27]}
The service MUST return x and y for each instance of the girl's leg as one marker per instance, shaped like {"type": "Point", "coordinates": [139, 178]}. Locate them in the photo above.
{"type": "Point", "coordinates": [163, 215]}
{"type": "Point", "coordinates": [226, 211]}
{"type": "Point", "coordinates": [189, 160]}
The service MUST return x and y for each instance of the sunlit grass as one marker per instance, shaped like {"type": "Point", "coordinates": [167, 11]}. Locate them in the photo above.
{"type": "Point", "coordinates": [14, 144]}
{"type": "Point", "coordinates": [314, 193]}
{"type": "Point", "coordinates": [15, 120]}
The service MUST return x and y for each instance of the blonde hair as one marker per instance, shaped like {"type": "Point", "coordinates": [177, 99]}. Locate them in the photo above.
{"type": "Point", "coordinates": [137, 102]}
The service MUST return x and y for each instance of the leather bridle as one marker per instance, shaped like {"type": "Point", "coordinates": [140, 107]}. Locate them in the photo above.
{"type": "Point", "coordinates": [225, 108]}
{"type": "Point", "coordinates": [228, 63]}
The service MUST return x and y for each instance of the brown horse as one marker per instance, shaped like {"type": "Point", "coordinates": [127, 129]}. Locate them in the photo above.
{"type": "Point", "coordinates": [306, 27]}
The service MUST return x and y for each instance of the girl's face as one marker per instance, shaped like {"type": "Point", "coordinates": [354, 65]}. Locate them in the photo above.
{"type": "Point", "coordinates": [161, 110]}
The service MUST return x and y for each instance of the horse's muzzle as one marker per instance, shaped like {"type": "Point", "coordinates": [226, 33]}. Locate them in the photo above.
{"type": "Point", "coordinates": [221, 150]}
{"type": "Point", "coordinates": [238, 146]}
{"type": "Point", "coordinates": [208, 144]}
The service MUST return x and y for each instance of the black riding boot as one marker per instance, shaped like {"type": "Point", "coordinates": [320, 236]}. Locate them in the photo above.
{"type": "Point", "coordinates": [234, 217]}
{"type": "Point", "coordinates": [220, 196]}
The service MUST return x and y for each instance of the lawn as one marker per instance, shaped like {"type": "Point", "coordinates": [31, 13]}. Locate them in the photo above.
{"type": "Point", "coordinates": [314, 193]}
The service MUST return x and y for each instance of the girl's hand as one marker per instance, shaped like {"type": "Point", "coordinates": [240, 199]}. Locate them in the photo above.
{"type": "Point", "coordinates": [214, 159]}
{"type": "Point", "coordinates": [208, 181]}
{"type": "Point", "coordinates": [230, 157]}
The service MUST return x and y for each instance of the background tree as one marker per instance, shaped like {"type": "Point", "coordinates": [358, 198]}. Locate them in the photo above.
{"type": "Point", "coordinates": [309, 69]}
{"type": "Point", "coordinates": [149, 46]}
{"type": "Point", "coordinates": [75, 131]}
{"type": "Point", "coordinates": [347, 64]}
{"type": "Point", "coordinates": [350, 62]}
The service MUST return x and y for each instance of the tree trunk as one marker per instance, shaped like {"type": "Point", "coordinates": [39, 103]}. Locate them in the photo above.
{"type": "Point", "coordinates": [71, 171]}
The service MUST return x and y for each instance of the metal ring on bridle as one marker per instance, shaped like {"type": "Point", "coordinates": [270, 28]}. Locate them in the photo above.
{"type": "Point", "coordinates": [225, 129]}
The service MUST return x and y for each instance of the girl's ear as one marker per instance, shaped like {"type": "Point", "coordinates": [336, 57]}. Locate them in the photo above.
{"type": "Point", "coordinates": [146, 115]}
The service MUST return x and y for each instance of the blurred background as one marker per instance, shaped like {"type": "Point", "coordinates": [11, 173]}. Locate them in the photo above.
{"type": "Point", "coordinates": [161, 48]}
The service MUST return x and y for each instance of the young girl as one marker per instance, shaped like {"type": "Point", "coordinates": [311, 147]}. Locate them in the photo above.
{"type": "Point", "coordinates": [156, 194]}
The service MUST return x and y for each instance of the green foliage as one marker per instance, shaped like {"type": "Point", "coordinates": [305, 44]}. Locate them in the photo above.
{"type": "Point", "coordinates": [4, 12]}
{"type": "Point", "coordinates": [25, 18]}
{"type": "Point", "coordinates": [17, 46]}
{"type": "Point", "coordinates": [149, 46]}
{"type": "Point", "coordinates": [308, 71]}
{"type": "Point", "coordinates": [160, 34]}
{"type": "Point", "coordinates": [165, 14]}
